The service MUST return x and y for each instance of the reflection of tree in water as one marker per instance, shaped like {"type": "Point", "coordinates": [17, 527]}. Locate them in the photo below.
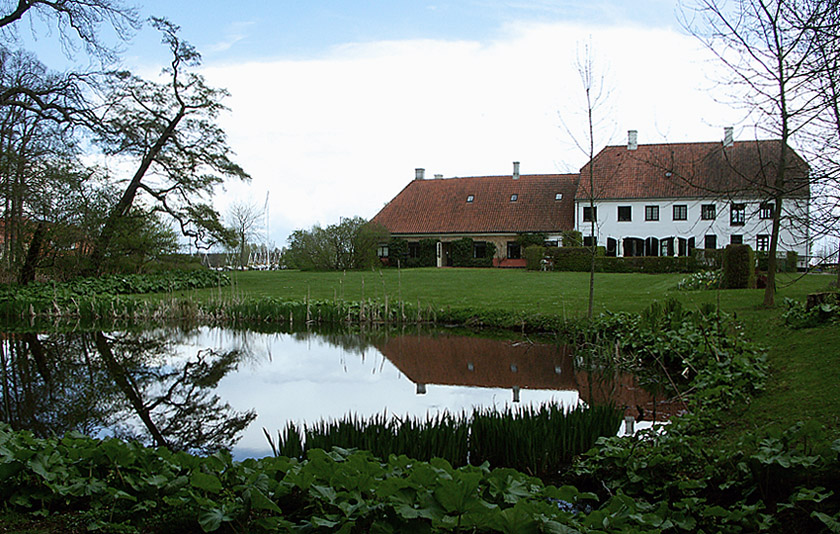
{"type": "Point", "coordinates": [53, 384]}
{"type": "Point", "coordinates": [93, 381]}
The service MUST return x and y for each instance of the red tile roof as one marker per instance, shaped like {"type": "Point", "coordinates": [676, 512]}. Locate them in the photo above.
{"type": "Point", "coordinates": [691, 170]}
{"type": "Point", "coordinates": [439, 206]}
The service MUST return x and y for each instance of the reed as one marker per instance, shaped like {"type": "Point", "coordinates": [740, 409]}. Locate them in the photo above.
{"type": "Point", "coordinates": [538, 440]}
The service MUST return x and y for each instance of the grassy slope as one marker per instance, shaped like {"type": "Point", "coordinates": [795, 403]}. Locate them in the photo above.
{"type": "Point", "coordinates": [805, 363]}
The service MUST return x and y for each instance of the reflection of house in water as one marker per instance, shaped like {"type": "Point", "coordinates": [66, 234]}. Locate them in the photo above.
{"type": "Point", "coordinates": [490, 363]}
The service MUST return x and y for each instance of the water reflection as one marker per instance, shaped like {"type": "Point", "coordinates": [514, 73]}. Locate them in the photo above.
{"type": "Point", "coordinates": [121, 384]}
{"type": "Point", "coordinates": [479, 362]}
{"type": "Point", "coordinates": [209, 388]}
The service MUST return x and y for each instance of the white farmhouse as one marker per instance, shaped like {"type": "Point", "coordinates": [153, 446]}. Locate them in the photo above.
{"type": "Point", "coordinates": [667, 199]}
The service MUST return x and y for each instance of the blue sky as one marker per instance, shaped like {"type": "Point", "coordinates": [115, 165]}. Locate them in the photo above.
{"type": "Point", "coordinates": [334, 103]}
{"type": "Point", "coordinates": [230, 31]}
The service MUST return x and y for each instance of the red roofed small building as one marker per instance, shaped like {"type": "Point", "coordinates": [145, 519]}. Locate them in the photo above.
{"type": "Point", "coordinates": [493, 209]}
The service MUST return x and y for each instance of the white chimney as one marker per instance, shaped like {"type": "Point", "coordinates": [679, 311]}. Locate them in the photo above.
{"type": "Point", "coordinates": [728, 139]}
{"type": "Point", "coordinates": [419, 173]}
{"type": "Point", "coordinates": [516, 170]}
{"type": "Point", "coordinates": [632, 139]}
{"type": "Point", "coordinates": [438, 177]}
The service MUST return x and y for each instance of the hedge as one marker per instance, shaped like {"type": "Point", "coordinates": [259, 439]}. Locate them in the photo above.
{"type": "Point", "coordinates": [398, 250]}
{"type": "Point", "coordinates": [788, 264]}
{"type": "Point", "coordinates": [738, 267]}
{"type": "Point", "coordinates": [579, 259]}
{"type": "Point", "coordinates": [463, 250]}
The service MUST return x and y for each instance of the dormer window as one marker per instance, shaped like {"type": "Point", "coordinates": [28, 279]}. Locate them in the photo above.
{"type": "Point", "coordinates": [558, 196]}
{"type": "Point", "coordinates": [470, 198]}
{"type": "Point", "coordinates": [514, 197]}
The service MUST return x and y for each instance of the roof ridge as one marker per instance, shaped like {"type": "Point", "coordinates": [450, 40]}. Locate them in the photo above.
{"type": "Point", "coordinates": [719, 142]}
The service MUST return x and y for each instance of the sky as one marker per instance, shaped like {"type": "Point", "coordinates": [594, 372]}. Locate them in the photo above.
{"type": "Point", "coordinates": [333, 104]}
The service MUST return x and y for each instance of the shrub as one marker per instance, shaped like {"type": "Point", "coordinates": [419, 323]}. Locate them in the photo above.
{"type": "Point", "coordinates": [530, 239]}
{"type": "Point", "coordinates": [534, 255]}
{"type": "Point", "coordinates": [792, 261]}
{"type": "Point", "coordinates": [572, 258]}
{"type": "Point", "coordinates": [787, 264]}
{"type": "Point", "coordinates": [462, 252]}
{"type": "Point", "coordinates": [572, 238]}
{"type": "Point", "coordinates": [397, 252]}
{"type": "Point", "coordinates": [426, 253]}
{"type": "Point", "coordinates": [738, 270]}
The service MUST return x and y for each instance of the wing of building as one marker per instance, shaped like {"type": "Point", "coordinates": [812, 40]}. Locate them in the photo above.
{"type": "Point", "coordinates": [635, 200]}
{"type": "Point", "coordinates": [494, 209]}
{"type": "Point", "coordinates": [667, 199]}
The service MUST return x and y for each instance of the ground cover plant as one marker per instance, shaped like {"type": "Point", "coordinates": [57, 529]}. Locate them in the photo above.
{"type": "Point", "coordinates": [37, 293]}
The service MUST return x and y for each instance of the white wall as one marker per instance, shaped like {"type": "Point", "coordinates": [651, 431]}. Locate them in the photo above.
{"type": "Point", "coordinates": [792, 236]}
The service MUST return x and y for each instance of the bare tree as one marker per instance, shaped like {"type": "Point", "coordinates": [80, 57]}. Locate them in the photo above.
{"type": "Point", "coordinates": [77, 22]}
{"type": "Point", "coordinates": [245, 220]}
{"type": "Point", "coordinates": [596, 97]}
{"type": "Point", "coordinates": [763, 50]}
{"type": "Point", "coordinates": [820, 19]}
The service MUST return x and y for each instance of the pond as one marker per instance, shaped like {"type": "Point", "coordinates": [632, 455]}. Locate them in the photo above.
{"type": "Point", "coordinates": [204, 388]}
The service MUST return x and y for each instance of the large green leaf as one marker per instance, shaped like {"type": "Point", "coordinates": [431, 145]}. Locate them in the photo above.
{"type": "Point", "coordinates": [211, 520]}
{"type": "Point", "coordinates": [205, 482]}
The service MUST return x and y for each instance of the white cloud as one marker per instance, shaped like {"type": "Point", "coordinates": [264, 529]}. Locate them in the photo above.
{"type": "Point", "coordinates": [341, 135]}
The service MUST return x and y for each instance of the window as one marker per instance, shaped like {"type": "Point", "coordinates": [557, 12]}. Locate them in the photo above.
{"type": "Point", "coordinates": [765, 210]}
{"type": "Point", "coordinates": [470, 198]}
{"type": "Point", "coordinates": [558, 196]}
{"type": "Point", "coordinates": [680, 212]}
{"type": "Point", "coordinates": [625, 213]}
{"type": "Point", "coordinates": [413, 249]}
{"type": "Point", "coordinates": [513, 197]}
{"type": "Point", "coordinates": [382, 251]}
{"type": "Point", "coordinates": [762, 243]}
{"type": "Point", "coordinates": [590, 213]}
{"type": "Point", "coordinates": [551, 243]}
{"type": "Point", "coordinates": [589, 241]}
{"type": "Point", "coordinates": [737, 214]}
{"type": "Point", "coordinates": [651, 213]}
{"type": "Point", "coordinates": [707, 212]}
{"type": "Point", "coordinates": [710, 242]}
{"type": "Point", "coordinates": [514, 252]}
{"type": "Point", "coordinates": [736, 239]}
{"type": "Point", "coordinates": [479, 249]}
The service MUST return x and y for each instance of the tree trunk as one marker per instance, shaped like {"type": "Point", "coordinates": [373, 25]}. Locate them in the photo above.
{"type": "Point", "coordinates": [122, 207]}
{"type": "Point", "coordinates": [27, 272]}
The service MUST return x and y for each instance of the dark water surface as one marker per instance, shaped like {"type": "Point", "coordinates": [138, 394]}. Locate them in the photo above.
{"type": "Point", "coordinates": [205, 388]}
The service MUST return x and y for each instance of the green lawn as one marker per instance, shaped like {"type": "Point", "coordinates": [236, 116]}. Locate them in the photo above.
{"type": "Point", "coordinates": [509, 289]}
{"type": "Point", "coordinates": [805, 380]}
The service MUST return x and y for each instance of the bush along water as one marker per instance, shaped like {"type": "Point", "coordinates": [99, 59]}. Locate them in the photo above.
{"type": "Point", "coordinates": [684, 479]}
{"type": "Point", "coordinates": [51, 298]}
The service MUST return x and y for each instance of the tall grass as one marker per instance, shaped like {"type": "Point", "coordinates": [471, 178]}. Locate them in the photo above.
{"type": "Point", "coordinates": [538, 440]}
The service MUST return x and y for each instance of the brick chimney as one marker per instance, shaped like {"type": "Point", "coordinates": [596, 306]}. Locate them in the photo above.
{"type": "Point", "coordinates": [632, 139]}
